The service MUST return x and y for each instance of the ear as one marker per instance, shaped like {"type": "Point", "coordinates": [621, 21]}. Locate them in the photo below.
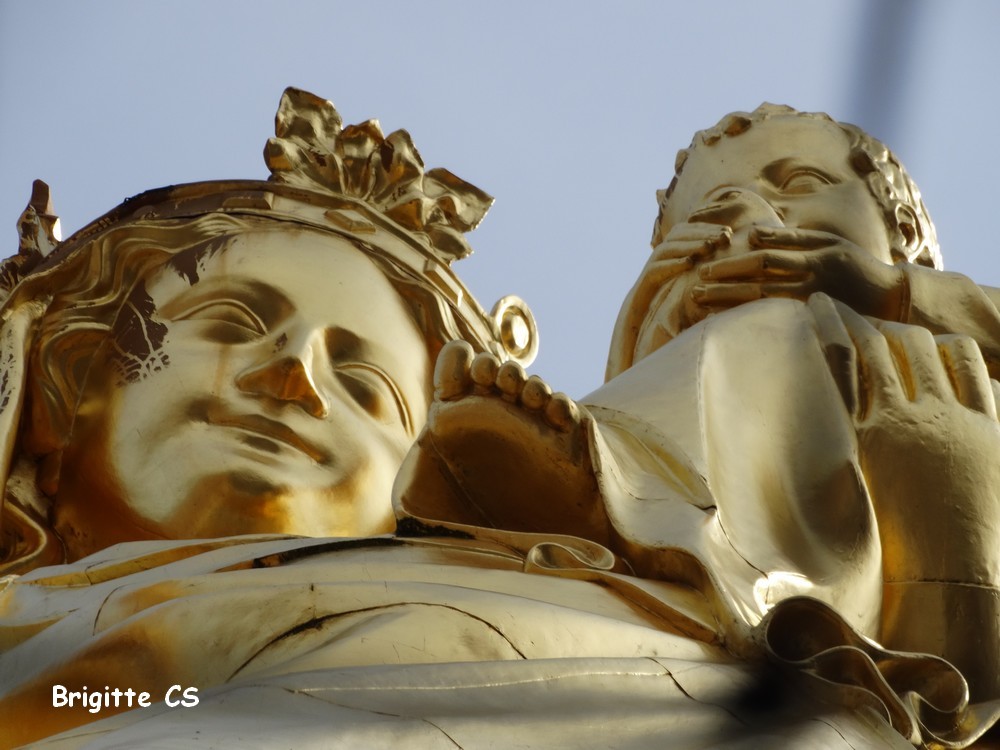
{"type": "Point", "coordinates": [909, 236]}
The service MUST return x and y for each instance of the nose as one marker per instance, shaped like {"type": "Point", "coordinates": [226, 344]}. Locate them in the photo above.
{"type": "Point", "coordinates": [289, 375]}
{"type": "Point", "coordinates": [737, 206]}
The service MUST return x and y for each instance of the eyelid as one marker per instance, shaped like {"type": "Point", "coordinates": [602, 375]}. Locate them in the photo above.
{"type": "Point", "coordinates": [252, 317]}
{"type": "Point", "coordinates": [807, 172]}
{"type": "Point", "coordinates": [397, 396]}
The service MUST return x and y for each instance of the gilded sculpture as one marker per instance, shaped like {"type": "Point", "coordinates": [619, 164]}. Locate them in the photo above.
{"type": "Point", "coordinates": [720, 452]}
{"type": "Point", "coordinates": [769, 486]}
{"type": "Point", "coordinates": [168, 334]}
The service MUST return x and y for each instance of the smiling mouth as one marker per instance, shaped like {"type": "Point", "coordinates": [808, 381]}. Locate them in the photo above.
{"type": "Point", "coordinates": [272, 431]}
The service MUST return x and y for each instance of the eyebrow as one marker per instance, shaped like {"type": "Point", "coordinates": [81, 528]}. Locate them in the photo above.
{"type": "Point", "coordinates": [263, 299]}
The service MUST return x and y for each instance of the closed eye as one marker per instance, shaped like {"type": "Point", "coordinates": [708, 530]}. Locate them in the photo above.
{"type": "Point", "coordinates": [804, 181]}
{"type": "Point", "coordinates": [237, 320]}
{"type": "Point", "coordinates": [371, 387]}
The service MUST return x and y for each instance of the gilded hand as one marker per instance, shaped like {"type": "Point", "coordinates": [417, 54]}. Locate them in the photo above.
{"type": "Point", "coordinates": [686, 245]}
{"type": "Point", "coordinates": [659, 298]}
{"type": "Point", "coordinates": [926, 419]}
{"type": "Point", "coordinates": [789, 262]}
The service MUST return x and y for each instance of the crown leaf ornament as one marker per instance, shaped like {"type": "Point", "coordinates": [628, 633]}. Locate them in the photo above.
{"type": "Point", "coordinates": [38, 235]}
{"type": "Point", "coordinates": [351, 180]}
{"type": "Point", "coordinates": [313, 150]}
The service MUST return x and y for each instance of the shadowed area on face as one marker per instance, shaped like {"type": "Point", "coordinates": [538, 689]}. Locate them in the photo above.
{"type": "Point", "coordinates": [291, 381]}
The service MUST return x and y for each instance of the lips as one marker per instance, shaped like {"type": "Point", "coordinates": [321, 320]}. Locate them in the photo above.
{"type": "Point", "coordinates": [272, 429]}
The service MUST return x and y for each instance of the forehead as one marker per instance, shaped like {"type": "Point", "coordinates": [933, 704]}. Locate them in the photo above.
{"type": "Point", "coordinates": [320, 279]}
{"type": "Point", "coordinates": [322, 274]}
{"type": "Point", "coordinates": [744, 158]}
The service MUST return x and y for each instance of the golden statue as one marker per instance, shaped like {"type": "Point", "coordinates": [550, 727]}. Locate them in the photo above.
{"type": "Point", "coordinates": [774, 525]}
{"type": "Point", "coordinates": [823, 479]}
{"type": "Point", "coordinates": [274, 339]}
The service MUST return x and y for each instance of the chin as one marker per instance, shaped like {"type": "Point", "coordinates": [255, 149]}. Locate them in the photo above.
{"type": "Point", "coordinates": [229, 504]}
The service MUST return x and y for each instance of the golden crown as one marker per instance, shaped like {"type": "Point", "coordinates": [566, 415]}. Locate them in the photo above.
{"type": "Point", "coordinates": [311, 149]}
{"type": "Point", "coordinates": [350, 180]}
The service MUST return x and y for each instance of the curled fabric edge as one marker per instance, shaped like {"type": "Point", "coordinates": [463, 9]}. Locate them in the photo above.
{"type": "Point", "coordinates": [923, 697]}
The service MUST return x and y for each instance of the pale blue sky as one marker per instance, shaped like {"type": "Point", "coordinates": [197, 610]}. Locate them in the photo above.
{"type": "Point", "coordinates": [570, 113]}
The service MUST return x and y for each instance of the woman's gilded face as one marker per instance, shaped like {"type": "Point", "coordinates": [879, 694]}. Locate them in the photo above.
{"type": "Point", "coordinates": [272, 386]}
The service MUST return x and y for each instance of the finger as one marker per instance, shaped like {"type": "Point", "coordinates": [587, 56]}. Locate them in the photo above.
{"type": "Point", "coordinates": [967, 370]}
{"type": "Point", "coordinates": [656, 273]}
{"type": "Point", "coordinates": [785, 238]}
{"type": "Point", "coordinates": [684, 249]}
{"type": "Point", "coordinates": [729, 294]}
{"type": "Point", "coordinates": [841, 356]}
{"type": "Point", "coordinates": [756, 265]}
{"type": "Point", "coordinates": [700, 231]}
{"type": "Point", "coordinates": [879, 385]}
{"type": "Point", "coordinates": [725, 295]}
{"type": "Point", "coordinates": [917, 360]}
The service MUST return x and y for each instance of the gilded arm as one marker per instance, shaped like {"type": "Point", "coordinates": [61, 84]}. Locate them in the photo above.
{"type": "Point", "coordinates": [945, 302]}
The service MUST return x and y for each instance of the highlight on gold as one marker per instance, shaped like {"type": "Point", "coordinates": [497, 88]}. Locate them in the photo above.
{"type": "Point", "coordinates": [266, 460]}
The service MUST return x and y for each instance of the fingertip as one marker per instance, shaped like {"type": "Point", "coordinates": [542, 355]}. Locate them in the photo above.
{"type": "Point", "coordinates": [822, 306]}
{"type": "Point", "coordinates": [757, 237]}
{"type": "Point", "coordinates": [659, 271]}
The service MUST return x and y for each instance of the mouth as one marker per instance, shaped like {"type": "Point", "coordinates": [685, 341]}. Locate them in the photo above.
{"type": "Point", "coordinates": [272, 430]}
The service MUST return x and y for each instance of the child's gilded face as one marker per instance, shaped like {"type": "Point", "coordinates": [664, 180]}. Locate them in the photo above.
{"type": "Point", "coordinates": [790, 170]}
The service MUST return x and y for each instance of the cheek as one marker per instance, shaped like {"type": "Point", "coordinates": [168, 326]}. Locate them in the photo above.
{"type": "Point", "coordinates": [851, 213]}
{"type": "Point", "coordinates": [358, 440]}
{"type": "Point", "coordinates": [865, 226]}
{"type": "Point", "coordinates": [880, 235]}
